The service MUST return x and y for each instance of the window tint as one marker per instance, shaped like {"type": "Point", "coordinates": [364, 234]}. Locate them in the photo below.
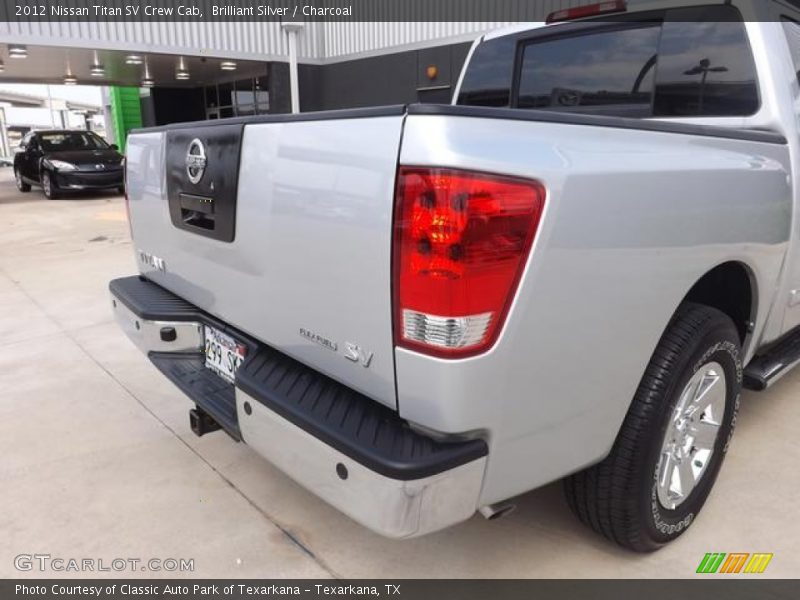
{"type": "Point", "coordinates": [54, 142]}
{"type": "Point", "coordinates": [609, 72]}
{"type": "Point", "coordinates": [487, 81]}
{"type": "Point", "coordinates": [705, 66]}
{"type": "Point", "coordinates": [679, 63]}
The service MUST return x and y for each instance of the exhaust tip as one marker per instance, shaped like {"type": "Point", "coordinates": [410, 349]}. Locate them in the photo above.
{"type": "Point", "coordinates": [494, 511]}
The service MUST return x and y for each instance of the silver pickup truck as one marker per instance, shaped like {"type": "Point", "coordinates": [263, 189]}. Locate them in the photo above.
{"type": "Point", "coordinates": [420, 312]}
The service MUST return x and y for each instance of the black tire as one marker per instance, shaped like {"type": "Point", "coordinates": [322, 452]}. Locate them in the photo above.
{"type": "Point", "coordinates": [21, 185]}
{"type": "Point", "coordinates": [47, 185]}
{"type": "Point", "coordinates": [619, 497]}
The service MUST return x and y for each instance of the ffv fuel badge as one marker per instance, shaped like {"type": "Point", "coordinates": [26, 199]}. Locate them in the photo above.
{"type": "Point", "coordinates": [352, 352]}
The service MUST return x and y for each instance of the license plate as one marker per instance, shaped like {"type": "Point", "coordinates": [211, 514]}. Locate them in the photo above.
{"type": "Point", "coordinates": [223, 353]}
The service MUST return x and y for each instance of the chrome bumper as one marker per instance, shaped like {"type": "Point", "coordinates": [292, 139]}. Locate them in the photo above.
{"type": "Point", "coordinates": [147, 334]}
{"type": "Point", "coordinates": [391, 507]}
{"type": "Point", "coordinates": [397, 508]}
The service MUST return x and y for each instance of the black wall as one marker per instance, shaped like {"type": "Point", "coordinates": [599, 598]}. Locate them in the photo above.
{"type": "Point", "coordinates": [148, 110]}
{"type": "Point", "coordinates": [388, 79]}
{"type": "Point", "coordinates": [280, 95]}
{"type": "Point", "coordinates": [177, 105]}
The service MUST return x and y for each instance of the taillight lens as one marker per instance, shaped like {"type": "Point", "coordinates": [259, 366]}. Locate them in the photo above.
{"type": "Point", "coordinates": [461, 240]}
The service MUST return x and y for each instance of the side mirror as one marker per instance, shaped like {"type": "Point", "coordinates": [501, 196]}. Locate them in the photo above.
{"type": "Point", "coordinates": [115, 147]}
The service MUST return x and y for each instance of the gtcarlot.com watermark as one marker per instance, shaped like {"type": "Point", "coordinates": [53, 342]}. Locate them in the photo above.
{"type": "Point", "coordinates": [44, 563]}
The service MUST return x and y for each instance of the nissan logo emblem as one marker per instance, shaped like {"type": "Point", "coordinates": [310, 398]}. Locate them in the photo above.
{"type": "Point", "coordinates": [196, 160]}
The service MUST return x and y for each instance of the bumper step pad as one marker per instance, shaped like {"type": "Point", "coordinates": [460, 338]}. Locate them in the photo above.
{"type": "Point", "coordinates": [344, 419]}
{"type": "Point", "coordinates": [152, 302]}
{"type": "Point", "coordinates": [209, 391]}
{"type": "Point", "coordinates": [348, 421]}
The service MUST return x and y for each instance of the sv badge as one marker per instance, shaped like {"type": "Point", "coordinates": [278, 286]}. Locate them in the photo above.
{"type": "Point", "coordinates": [357, 354]}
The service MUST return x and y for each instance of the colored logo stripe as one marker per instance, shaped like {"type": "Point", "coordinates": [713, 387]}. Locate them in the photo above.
{"type": "Point", "coordinates": [734, 563]}
{"type": "Point", "coordinates": [711, 562]}
{"type": "Point", "coordinates": [714, 562]}
{"type": "Point", "coordinates": [758, 563]}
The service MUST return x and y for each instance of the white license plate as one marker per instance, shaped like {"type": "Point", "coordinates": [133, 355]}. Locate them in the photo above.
{"type": "Point", "coordinates": [223, 353]}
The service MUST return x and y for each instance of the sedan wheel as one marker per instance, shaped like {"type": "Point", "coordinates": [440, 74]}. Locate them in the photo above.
{"type": "Point", "coordinates": [47, 186]}
{"type": "Point", "coordinates": [21, 185]}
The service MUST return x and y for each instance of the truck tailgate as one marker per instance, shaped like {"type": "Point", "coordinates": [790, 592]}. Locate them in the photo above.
{"type": "Point", "coordinates": [294, 247]}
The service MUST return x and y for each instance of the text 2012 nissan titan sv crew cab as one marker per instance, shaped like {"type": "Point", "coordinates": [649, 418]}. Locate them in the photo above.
{"type": "Point", "coordinates": [422, 311]}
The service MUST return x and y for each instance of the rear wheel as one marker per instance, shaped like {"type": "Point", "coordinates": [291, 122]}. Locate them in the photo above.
{"type": "Point", "coordinates": [47, 186]}
{"type": "Point", "coordinates": [21, 185]}
{"type": "Point", "coordinates": [671, 446]}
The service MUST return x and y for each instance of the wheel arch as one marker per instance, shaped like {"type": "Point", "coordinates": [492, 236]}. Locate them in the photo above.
{"type": "Point", "coordinates": [732, 288]}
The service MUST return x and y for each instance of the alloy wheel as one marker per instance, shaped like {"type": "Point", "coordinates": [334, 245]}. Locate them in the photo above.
{"type": "Point", "coordinates": [691, 435]}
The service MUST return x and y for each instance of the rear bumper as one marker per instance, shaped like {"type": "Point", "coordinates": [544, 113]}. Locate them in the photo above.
{"type": "Point", "coordinates": [354, 453]}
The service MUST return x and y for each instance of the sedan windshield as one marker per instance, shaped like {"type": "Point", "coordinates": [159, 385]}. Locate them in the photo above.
{"type": "Point", "coordinates": [71, 140]}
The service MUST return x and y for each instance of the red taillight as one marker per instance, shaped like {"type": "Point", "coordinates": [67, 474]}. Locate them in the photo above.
{"type": "Point", "coordinates": [461, 240]}
{"type": "Point", "coordinates": [592, 10]}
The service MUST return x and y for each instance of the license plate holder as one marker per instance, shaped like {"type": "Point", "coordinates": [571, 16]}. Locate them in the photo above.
{"type": "Point", "coordinates": [223, 353]}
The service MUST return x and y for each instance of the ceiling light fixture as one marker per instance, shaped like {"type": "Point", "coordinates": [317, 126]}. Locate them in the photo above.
{"type": "Point", "coordinates": [227, 65]}
{"type": "Point", "coordinates": [133, 59]}
{"type": "Point", "coordinates": [147, 80]}
{"type": "Point", "coordinates": [182, 73]}
{"type": "Point", "coordinates": [97, 69]}
{"type": "Point", "coordinates": [69, 78]}
{"type": "Point", "coordinates": [18, 51]}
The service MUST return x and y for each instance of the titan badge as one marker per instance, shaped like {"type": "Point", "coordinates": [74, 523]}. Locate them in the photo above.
{"type": "Point", "coordinates": [152, 261]}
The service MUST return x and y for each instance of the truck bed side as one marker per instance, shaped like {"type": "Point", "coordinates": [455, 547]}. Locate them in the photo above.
{"type": "Point", "coordinates": [636, 213]}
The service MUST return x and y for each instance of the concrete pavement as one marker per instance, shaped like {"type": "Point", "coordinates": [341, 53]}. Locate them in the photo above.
{"type": "Point", "coordinates": [98, 460]}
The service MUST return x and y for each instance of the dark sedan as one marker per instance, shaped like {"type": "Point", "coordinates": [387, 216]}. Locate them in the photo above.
{"type": "Point", "coordinates": [67, 161]}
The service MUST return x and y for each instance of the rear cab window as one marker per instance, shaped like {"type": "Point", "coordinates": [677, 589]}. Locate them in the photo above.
{"type": "Point", "coordinates": [604, 71]}
{"type": "Point", "coordinates": [487, 80]}
{"type": "Point", "coordinates": [692, 62]}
